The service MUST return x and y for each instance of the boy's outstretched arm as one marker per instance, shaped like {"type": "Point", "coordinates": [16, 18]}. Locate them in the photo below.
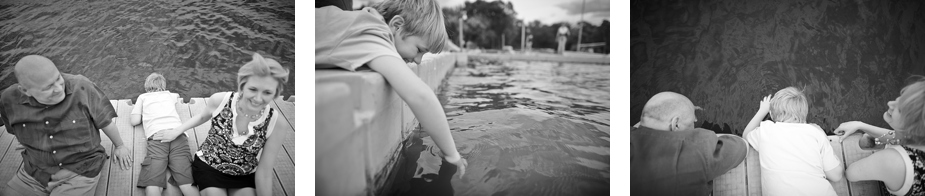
{"type": "Point", "coordinates": [763, 109]}
{"type": "Point", "coordinates": [423, 103]}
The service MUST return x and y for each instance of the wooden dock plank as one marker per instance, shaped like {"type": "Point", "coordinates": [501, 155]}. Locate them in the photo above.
{"type": "Point", "coordinates": [753, 172]}
{"type": "Point", "coordinates": [6, 140]}
{"type": "Point", "coordinates": [196, 106]}
{"type": "Point", "coordinates": [183, 110]}
{"type": "Point", "coordinates": [121, 180]}
{"type": "Point", "coordinates": [853, 152]}
{"type": "Point", "coordinates": [841, 187]}
{"type": "Point", "coordinates": [11, 160]}
{"type": "Point", "coordinates": [138, 142]}
{"type": "Point", "coordinates": [285, 169]}
{"type": "Point", "coordinates": [731, 183]}
{"type": "Point", "coordinates": [102, 185]}
{"type": "Point", "coordinates": [288, 110]}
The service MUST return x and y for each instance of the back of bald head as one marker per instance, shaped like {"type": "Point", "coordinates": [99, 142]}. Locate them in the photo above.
{"type": "Point", "coordinates": [33, 68]}
{"type": "Point", "coordinates": [665, 105]}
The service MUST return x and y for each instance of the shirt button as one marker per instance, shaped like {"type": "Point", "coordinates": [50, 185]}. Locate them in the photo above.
{"type": "Point", "coordinates": [46, 122]}
{"type": "Point", "coordinates": [59, 164]}
{"type": "Point", "coordinates": [51, 137]}
{"type": "Point", "coordinates": [54, 152]}
{"type": "Point", "coordinates": [23, 125]}
{"type": "Point", "coordinates": [73, 121]}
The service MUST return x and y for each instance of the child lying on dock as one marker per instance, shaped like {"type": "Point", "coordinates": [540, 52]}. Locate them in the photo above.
{"type": "Point", "coordinates": [156, 109]}
{"type": "Point", "coordinates": [796, 157]}
{"type": "Point", "coordinates": [404, 31]}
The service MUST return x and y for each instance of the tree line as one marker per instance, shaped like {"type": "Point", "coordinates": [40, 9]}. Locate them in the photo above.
{"type": "Point", "coordinates": [490, 25]}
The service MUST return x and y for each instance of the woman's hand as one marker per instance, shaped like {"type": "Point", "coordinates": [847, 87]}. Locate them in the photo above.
{"type": "Point", "coordinates": [166, 135]}
{"type": "Point", "coordinates": [765, 106]}
{"type": "Point", "coordinates": [848, 128]}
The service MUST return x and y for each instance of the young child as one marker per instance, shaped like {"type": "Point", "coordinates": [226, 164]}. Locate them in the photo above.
{"type": "Point", "coordinates": [403, 33]}
{"type": "Point", "coordinates": [796, 157]}
{"type": "Point", "coordinates": [157, 108]}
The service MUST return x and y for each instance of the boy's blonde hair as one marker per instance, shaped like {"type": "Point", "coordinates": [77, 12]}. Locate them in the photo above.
{"type": "Point", "coordinates": [259, 66]}
{"type": "Point", "coordinates": [911, 105]}
{"type": "Point", "coordinates": [155, 82]}
{"type": "Point", "coordinates": [789, 105]}
{"type": "Point", "coordinates": [422, 18]}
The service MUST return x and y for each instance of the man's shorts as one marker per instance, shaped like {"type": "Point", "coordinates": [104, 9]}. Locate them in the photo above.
{"type": "Point", "coordinates": [174, 155]}
{"type": "Point", "coordinates": [64, 182]}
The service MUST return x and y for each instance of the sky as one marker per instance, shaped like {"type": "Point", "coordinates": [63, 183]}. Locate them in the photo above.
{"type": "Point", "coordinates": [546, 11]}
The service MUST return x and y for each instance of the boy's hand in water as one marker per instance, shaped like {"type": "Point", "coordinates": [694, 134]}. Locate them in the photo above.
{"type": "Point", "coordinates": [765, 105]}
{"type": "Point", "coordinates": [459, 162]}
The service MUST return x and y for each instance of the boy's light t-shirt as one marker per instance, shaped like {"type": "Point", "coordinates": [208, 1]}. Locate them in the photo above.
{"type": "Point", "coordinates": [350, 39]}
{"type": "Point", "coordinates": [158, 111]}
{"type": "Point", "coordinates": [793, 158]}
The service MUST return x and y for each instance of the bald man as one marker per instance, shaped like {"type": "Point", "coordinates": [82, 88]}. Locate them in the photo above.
{"type": "Point", "coordinates": [56, 118]}
{"type": "Point", "coordinates": [669, 156]}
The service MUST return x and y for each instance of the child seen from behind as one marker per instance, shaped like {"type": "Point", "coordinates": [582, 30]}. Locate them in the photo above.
{"type": "Point", "coordinates": [156, 109]}
{"type": "Point", "coordinates": [796, 158]}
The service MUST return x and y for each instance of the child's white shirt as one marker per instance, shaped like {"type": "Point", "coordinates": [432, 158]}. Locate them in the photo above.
{"type": "Point", "coordinates": [158, 111]}
{"type": "Point", "coordinates": [793, 158]}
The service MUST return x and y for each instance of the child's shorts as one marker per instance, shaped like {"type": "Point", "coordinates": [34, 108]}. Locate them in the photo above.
{"type": "Point", "coordinates": [174, 155]}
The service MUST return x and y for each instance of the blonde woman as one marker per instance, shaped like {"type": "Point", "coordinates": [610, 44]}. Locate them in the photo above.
{"type": "Point", "coordinates": [238, 155]}
{"type": "Point", "coordinates": [900, 165]}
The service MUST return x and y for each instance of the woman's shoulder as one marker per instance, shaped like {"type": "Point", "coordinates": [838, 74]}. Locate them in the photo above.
{"type": "Point", "coordinates": [218, 97]}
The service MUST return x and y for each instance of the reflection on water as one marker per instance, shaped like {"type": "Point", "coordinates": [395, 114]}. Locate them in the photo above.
{"type": "Point", "coordinates": [526, 128]}
{"type": "Point", "coordinates": [850, 57]}
{"type": "Point", "coordinates": [197, 45]}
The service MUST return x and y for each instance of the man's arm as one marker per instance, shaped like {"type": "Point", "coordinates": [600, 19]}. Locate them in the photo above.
{"type": "Point", "coordinates": [729, 152]}
{"type": "Point", "coordinates": [121, 154]}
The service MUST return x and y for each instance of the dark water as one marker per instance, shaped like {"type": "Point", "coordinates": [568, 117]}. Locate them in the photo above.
{"type": "Point", "coordinates": [526, 128]}
{"type": "Point", "coordinates": [851, 57]}
{"type": "Point", "coordinates": [197, 45]}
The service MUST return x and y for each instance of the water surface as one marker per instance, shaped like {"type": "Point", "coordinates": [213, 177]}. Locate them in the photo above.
{"type": "Point", "coordinates": [850, 57]}
{"type": "Point", "coordinates": [526, 128]}
{"type": "Point", "coordinates": [197, 45]}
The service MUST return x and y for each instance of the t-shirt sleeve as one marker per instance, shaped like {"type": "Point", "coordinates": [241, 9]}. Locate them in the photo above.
{"type": "Point", "coordinates": [136, 109]}
{"type": "Point", "coordinates": [729, 152]}
{"type": "Point", "coordinates": [753, 136]}
{"type": "Point", "coordinates": [350, 39]}
{"type": "Point", "coordinates": [829, 160]}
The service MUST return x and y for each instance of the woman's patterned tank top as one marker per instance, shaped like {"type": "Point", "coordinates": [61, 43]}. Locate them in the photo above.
{"type": "Point", "coordinates": [224, 155]}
